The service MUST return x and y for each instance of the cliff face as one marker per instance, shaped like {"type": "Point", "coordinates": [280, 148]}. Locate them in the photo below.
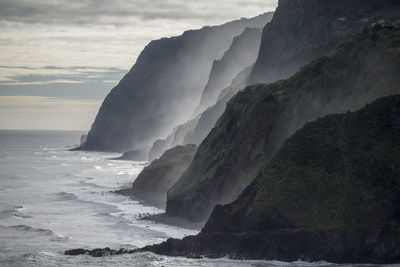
{"type": "Point", "coordinates": [207, 119]}
{"type": "Point", "coordinates": [258, 120]}
{"type": "Point", "coordinates": [162, 173]}
{"type": "Point", "coordinates": [301, 31]}
{"type": "Point", "coordinates": [162, 88]}
{"type": "Point", "coordinates": [242, 53]}
{"type": "Point", "coordinates": [332, 193]}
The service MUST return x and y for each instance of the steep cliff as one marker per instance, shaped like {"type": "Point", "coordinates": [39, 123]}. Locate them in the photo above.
{"type": "Point", "coordinates": [299, 32]}
{"type": "Point", "coordinates": [207, 119]}
{"type": "Point", "coordinates": [242, 53]}
{"type": "Point", "coordinates": [162, 173]}
{"type": "Point", "coordinates": [302, 30]}
{"type": "Point", "coordinates": [332, 193]}
{"type": "Point", "coordinates": [258, 120]}
{"type": "Point", "coordinates": [162, 88]}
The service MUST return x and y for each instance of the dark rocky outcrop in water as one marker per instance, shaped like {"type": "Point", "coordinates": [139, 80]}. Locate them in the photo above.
{"type": "Point", "coordinates": [163, 87]}
{"type": "Point", "coordinates": [258, 120]}
{"type": "Point", "coordinates": [332, 193]}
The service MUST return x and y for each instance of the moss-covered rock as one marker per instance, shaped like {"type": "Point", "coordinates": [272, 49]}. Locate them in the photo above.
{"type": "Point", "coordinates": [332, 192]}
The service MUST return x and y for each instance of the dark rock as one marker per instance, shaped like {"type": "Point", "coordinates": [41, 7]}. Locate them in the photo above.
{"type": "Point", "coordinates": [162, 173]}
{"type": "Point", "coordinates": [78, 251]}
{"type": "Point", "coordinates": [99, 252]}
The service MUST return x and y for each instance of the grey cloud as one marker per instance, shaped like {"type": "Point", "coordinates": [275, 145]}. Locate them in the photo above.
{"type": "Point", "coordinates": [115, 12]}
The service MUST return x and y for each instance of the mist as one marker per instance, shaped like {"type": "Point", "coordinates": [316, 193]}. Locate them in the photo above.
{"type": "Point", "coordinates": [163, 88]}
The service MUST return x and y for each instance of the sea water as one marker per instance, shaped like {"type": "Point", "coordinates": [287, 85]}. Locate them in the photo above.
{"type": "Point", "coordinates": [53, 199]}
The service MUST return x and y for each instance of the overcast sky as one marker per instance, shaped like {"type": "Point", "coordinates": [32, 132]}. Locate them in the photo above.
{"type": "Point", "coordinates": [63, 55]}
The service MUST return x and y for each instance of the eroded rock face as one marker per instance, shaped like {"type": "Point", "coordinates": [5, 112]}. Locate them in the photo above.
{"type": "Point", "coordinates": [240, 55]}
{"type": "Point", "coordinates": [163, 87]}
{"type": "Point", "coordinates": [162, 173]}
{"type": "Point", "coordinates": [332, 193]}
{"type": "Point", "coordinates": [257, 120]}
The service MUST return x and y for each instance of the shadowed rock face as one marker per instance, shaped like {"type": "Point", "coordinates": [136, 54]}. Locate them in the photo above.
{"type": "Point", "coordinates": [206, 120]}
{"type": "Point", "coordinates": [162, 88]}
{"type": "Point", "coordinates": [242, 53]}
{"type": "Point", "coordinates": [332, 193]}
{"type": "Point", "coordinates": [301, 31]}
{"type": "Point", "coordinates": [162, 173]}
{"type": "Point", "coordinates": [258, 120]}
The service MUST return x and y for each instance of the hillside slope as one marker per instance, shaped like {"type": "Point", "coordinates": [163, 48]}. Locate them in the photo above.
{"type": "Point", "coordinates": [258, 120]}
{"type": "Point", "coordinates": [331, 193]}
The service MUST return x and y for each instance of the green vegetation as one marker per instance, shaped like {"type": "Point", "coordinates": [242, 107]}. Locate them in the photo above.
{"type": "Point", "coordinates": [260, 118]}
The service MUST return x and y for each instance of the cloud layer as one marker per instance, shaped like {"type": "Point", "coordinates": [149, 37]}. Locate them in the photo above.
{"type": "Point", "coordinates": [44, 113]}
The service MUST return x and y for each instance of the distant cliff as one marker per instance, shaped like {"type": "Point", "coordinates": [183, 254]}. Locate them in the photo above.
{"type": "Point", "coordinates": [242, 53]}
{"type": "Point", "coordinates": [163, 87]}
{"type": "Point", "coordinates": [258, 120]}
{"type": "Point", "coordinates": [331, 193]}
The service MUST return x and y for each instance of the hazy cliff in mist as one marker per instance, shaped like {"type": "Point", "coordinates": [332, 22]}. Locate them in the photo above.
{"type": "Point", "coordinates": [242, 52]}
{"type": "Point", "coordinates": [163, 87]}
{"type": "Point", "coordinates": [258, 120]}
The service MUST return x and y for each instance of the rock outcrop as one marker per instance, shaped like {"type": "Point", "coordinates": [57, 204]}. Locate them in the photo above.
{"type": "Point", "coordinates": [162, 173]}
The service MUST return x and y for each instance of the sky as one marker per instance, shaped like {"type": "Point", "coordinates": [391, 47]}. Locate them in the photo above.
{"type": "Point", "coordinates": [60, 58]}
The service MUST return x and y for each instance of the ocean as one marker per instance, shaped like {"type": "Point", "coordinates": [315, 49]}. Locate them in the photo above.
{"type": "Point", "coordinates": [53, 199]}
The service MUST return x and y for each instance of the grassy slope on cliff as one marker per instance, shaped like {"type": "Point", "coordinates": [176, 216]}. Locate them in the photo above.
{"type": "Point", "coordinates": [341, 171]}
{"type": "Point", "coordinates": [332, 193]}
